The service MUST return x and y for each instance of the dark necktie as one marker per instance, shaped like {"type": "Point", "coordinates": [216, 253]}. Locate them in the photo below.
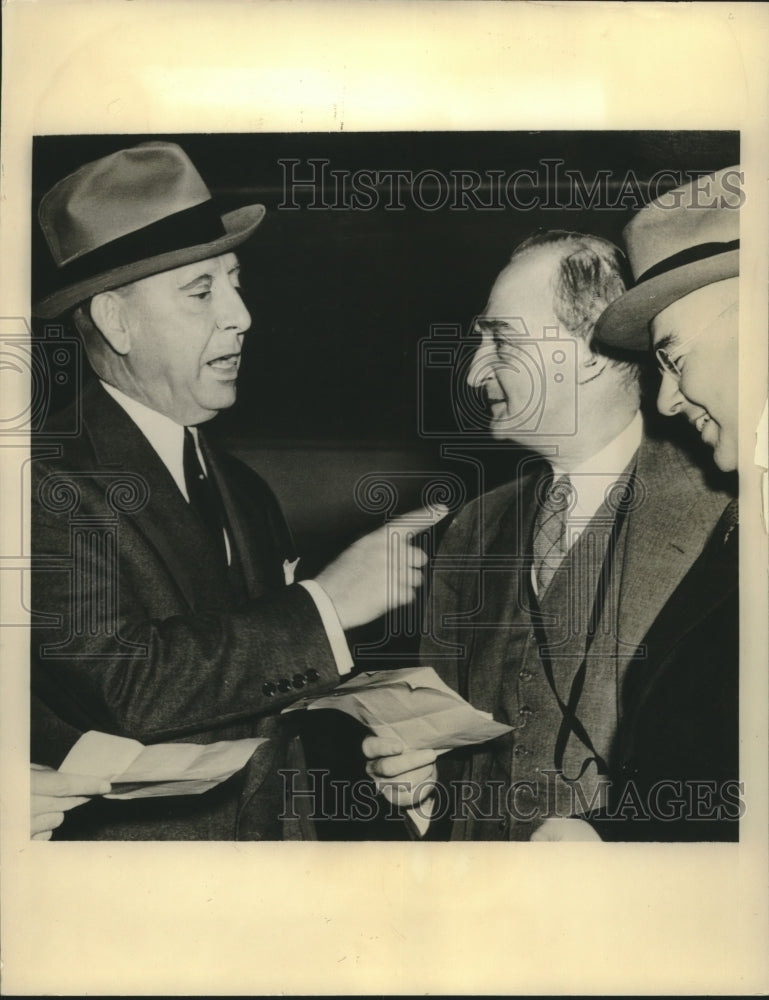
{"type": "Point", "coordinates": [204, 497]}
{"type": "Point", "coordinates": [550, 542]}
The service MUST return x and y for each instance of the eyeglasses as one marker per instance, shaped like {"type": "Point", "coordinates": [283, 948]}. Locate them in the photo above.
{"type": "Point", "coordinates": [665, 362]}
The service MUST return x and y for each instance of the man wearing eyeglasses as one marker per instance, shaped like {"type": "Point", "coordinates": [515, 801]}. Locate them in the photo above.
{"type": "Point", "coordinates": [678, 739]}
{"type": "Point", "coordinates": [543, 588]}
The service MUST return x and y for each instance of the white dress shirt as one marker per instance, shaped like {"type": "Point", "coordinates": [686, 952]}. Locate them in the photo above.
{"type": "Point", "coordinates": [167, 438]}
{"type": "Point", "coordinates": [592, 479]}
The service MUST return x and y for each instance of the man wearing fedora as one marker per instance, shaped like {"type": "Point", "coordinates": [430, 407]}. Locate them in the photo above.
{"type": "Point", "coordinates": [164, 607]}
{"type": "Point", "coordinates": [677, 745]}
{"type": "Point", "coordinates": [543, 588]}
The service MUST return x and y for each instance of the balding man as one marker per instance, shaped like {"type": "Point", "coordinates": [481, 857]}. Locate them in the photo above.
{"type": "Point", "coordinates": [543, 588]}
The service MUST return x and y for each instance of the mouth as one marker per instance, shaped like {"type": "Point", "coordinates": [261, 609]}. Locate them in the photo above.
{"type": "Point", "coordinates": [226, 365]}
{"type": "Point", "coordinates": [701, 422]}
{"type": "Point", "coordinates": [707, 428]}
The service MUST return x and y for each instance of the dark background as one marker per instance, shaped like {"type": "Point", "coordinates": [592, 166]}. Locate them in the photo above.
{"type": "Point", "coordinates": [329, 389]}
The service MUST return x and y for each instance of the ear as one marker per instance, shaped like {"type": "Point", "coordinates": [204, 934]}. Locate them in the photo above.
{"type": "Point", "coordinates": [109, 314]}
{"type": "Point", "coordinates": [589, 364]}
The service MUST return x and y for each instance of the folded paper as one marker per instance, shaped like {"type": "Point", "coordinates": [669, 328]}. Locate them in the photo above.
{"type": "Point", "coordinates": [138, 771]}
{"type": "Point", "coordinates": [412, 704]}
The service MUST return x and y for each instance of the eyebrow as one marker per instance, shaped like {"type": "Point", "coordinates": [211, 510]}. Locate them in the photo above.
{"type": "Point", "coordinates": [196, 281]}
{"type": "Point", "coordinates": [205, 277]}
{"type": "Point", "coordinates": [664, 342]}
{"type": "Point", "coordinates": [495, 325]}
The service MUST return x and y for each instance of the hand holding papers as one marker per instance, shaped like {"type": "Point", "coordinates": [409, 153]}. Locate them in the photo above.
{"type": "Point", "coordinates": [137, 771]}
{"type": "Point", "coordinates": [413, 705]}
{"type": "Point", "coordinates": [414, 717]}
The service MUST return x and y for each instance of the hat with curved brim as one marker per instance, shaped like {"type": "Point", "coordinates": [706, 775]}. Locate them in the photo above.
{"type": "Point", "coordinates": [682, 241]}
{"type": "Point", "coordinates": [130, 215]}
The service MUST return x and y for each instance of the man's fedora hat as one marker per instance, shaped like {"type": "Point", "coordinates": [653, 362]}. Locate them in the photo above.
{"type": "Point", "coordinates": [681, 241]}
{"type": "Point", "coordinates": [129, 215]}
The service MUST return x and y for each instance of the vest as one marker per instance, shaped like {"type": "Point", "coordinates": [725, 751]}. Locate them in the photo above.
{"type": "Point", "coordinates": [517, 776]}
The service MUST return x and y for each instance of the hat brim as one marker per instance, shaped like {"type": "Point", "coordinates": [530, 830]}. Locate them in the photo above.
{"type": "Point", "coordinates": [625, 323]}
{"type": "Point", "coordinates": [238, 225]}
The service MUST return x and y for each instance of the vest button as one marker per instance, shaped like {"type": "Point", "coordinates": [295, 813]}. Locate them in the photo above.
{"type": "Point", "coordinates": [519, 750]}
{"type": "Point", "coordinates": [524, 673]}
{"type": "Point", "coordinates": [525, 711]}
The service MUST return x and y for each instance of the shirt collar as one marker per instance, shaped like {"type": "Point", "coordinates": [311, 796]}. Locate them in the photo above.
{"type": "Point", "coordinates": [164, 434]}
{"type": "Point", "coordinates": [596, 474]}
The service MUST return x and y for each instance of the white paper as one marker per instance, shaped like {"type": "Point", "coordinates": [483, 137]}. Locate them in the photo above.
{"type": "Point", "coordinates": [412, 704]}
{"type": "Point", "coordinates": [136, 771]}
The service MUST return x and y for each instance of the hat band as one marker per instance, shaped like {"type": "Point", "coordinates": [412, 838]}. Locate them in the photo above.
{"type": "Point", "coordinates": [689, 256]}
{"type": "Point", "coordinates": [190, 227]}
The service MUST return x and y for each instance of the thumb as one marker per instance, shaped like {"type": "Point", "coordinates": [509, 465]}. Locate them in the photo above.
{"type": "Point", "coordinates": [382, 746]}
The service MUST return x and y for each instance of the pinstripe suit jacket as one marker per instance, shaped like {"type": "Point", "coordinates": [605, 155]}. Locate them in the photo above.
{"type": "Point", "coordinates": [138, 630]}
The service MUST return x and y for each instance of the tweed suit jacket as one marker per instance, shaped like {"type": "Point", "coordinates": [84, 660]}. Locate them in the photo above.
{"type": "Point", "coordinates": [479, 577]}
{"type": "Point", "coordinates": [140, 631]}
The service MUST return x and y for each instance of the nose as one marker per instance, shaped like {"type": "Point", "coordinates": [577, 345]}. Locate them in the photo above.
{"type": "Point", "coordinates": [669, 398]}
{"type": "Point", "coordinates": [232, 313]}
{"type": "Point", "coordinates": [481, 368]}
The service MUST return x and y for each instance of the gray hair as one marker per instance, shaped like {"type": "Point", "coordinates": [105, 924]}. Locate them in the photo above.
{"type": "Point", "coordinates": [591, 275]}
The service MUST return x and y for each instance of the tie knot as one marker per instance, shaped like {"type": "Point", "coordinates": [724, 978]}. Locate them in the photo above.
{"type": "Point", "coordinates": [559, 496]}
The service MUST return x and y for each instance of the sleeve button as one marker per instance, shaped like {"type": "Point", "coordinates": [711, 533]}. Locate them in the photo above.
{"type": "Point", "coordinates": [312, 674]}
{"type": "Point", "coordinates": [268, 689]}
{"type": "Point", "coordinates": [284, 684]}
{"type": "Point", "coordinates": [299, 681]}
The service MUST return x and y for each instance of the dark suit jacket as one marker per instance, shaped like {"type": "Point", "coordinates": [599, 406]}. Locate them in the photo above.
{"type": "Point", "coordinates": [675, 761]}
{"type": "Point", "coordinates": [664, 535]}
{"type": "Point", "coordinates": [138, 630]}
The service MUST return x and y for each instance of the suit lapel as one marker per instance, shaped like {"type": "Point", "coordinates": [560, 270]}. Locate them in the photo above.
{"type": "Point", "coordinates": [665, 535]}
{"type": "Point", "coordinates": [252, 535]}
{"type": "Point", "coordinates": [166, 521]}
{"type": "Point", "coordinates": [712, 582]}
{"type": "Point", "coordinates": [505, 535]}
